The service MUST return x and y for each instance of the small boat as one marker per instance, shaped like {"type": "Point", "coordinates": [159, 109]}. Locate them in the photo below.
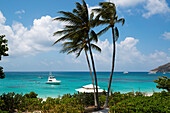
{"type": "Point", "coordinates": [52, 80]}
{"type": "Point", "coordinates": [40, 77]}
{"type": "Point", "coordinates": [125, 72]}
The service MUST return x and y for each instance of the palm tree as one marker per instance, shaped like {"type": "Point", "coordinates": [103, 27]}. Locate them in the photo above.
{"type": "Point", "coordinates": [76, 46]}
{"type": "Point", "coordinates": [108, 14]}
{"type": "Point", "coordinates": [79, 22]}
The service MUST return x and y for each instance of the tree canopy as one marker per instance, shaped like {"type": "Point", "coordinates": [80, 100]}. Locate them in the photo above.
{"type": "Point", "coordinates": [3, 50]}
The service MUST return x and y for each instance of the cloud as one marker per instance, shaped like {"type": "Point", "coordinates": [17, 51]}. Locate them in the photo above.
{"type": "Point", "coordinates": [126, 3]}
{"type": "Point", "coordinates": [20, 12]}
{"type": "Point", "coordinates": [149, 7]}
{"type": "Point", "coordinates": [166, 35]}
{"type": "Point", "coordinates": [128, 57]}
{"type": "Point", "coordinates": [2, 18]}
{"type": "Point", "coordinates": [25, 42]}
{"type": "Point", "coordinates": [156, 7]}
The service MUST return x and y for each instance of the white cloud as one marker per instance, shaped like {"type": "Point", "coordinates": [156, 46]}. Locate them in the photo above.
{"type": "Point", "coordinates": [24, 42]}
{"type": "Point", "coordinates": [126, 3]}
{"type": "Point", "coordinates": [150, 7]}
{"type": "Point", "coordinates": [128, 57]}
{"type": "Point", "coordinates": [166, 35]}
{"type": "Point", "coordinates": [2, 18]}
{"type": "Point", "coordinates": [156, 7]}
{"type": "Point", "coordinates": [20, 12]}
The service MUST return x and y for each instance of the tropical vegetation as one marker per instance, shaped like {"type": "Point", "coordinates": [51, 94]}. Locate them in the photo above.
{"type": "Point", "coordinates": [78, 103]}
{"type": "Point", "coordinates": [77, 33]}
{"type": "Point", "coordinates": [109, 17]}
{"type": "Point", "coordinates": [163, 83]}
{"type": "Point", "coordinates": [3, 50]}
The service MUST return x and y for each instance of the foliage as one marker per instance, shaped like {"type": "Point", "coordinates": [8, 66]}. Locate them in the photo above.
{"type": "Point", "coordinates": [3, 50]}
{"type": "Point", "coordinates": [3, 46]}
{"type": "Point", "coordinates": [158, 103]}
{"type": "Point", "coordinates": [163, 83]}
{"type": "Point", "coordinates": [2, 75]}
{"type": "Point", "coordinates": [31, 95]}
{"type": "Point", "coordinates": [76, 103]}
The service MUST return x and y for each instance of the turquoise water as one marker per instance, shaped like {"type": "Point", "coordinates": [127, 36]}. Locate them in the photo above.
{"type": "Point", "coordinates": [25, 82]}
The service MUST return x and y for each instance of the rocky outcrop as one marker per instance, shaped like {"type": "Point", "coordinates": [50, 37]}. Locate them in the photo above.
{"type": "Point", "coordinates": [162, 69]}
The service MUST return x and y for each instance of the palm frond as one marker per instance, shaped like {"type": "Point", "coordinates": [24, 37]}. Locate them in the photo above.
{"type": "Point", "coordinates": [96, 47]}
{"type": "Point", "coordinates": [103, 31]}
{"type": "Point", "coordinates": [69, 35]}
{"type": "Point", "coordinates": [78, 54]}
{"type": "Point", "coordinates": [97, 10]}
{"type": "Point", "coordinates": [93, 36]}
{"type": "Point", "coordinates": [71, 16]}
{"type": "Point", "coordinates": [86, 13]}
{"type": "Point", "coordinates": [66, 49]}
{"type": "Point", "coordinates": [63, 31]}
{"type": "Point", "coordinates": [91, 16]}
{"type": "Point", "coordinates": [103, 22]}
{"type": "Point", "coordinates": [69, 20]}
{"type": "Point", "coordinates": [121, 20]}
{"type": "Point", "coordinates": [73, 50]}
{"type": "Point", "coordinates": [116, 33]}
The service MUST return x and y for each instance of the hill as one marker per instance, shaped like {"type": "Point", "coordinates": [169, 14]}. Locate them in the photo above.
{"type": "Point", "coordinates": [163, 68]}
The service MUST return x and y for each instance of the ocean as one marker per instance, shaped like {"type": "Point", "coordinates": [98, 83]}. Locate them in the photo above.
{"type": "Point", "coordinates": [25, 82]}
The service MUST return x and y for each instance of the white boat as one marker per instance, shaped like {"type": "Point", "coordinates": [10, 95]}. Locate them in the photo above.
{"type": "Point", "coordinates": [89, 89]}
{"type": "Point", "coordinates": [52, 80]}
{"type": "Point", "coordinates": [40, 77]}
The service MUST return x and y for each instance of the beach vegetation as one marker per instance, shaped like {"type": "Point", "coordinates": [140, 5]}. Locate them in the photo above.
{"type": "Point", "coordinates": [107, 12]}
{"type": "Point", "coordinates": [31, 95]}
{"type": "Point", "coordinates": [163, 83]}
{"type": "Point", "coordinates": [157, 103]}
{"type": "Point", "coordinates": [3, 50]}
{"type": "Point", "coordinates": [78, 103]}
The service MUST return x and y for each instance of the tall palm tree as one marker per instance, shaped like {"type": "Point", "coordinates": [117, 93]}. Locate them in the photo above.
{"type": "Point", "coordinates": [108, 14]}
{"type": "Point", "coordinates": [76, 46]}
{"type": "Point", "coordinates": [79, 22]}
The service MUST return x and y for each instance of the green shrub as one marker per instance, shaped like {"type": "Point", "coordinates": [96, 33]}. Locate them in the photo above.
{"type": "Point", "coordinates": [158, 103]}
{"type": "Point", "coordinates": [163, 83]}
{"type": "Point", "coordinates": [8, 100]}
{"type": "Point", "coordinates": [102, 99]}
{"type": "Point", "coordinates": [31, 95]}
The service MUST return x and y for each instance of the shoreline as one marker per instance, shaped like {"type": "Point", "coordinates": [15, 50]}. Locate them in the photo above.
{"type": "Point", "coordinates": [145, 94]}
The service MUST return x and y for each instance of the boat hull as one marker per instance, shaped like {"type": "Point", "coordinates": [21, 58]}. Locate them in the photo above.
{"type": "Point", "coordinates": [55, 83]}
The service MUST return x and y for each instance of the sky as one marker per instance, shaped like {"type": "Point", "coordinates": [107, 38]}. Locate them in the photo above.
{"type": "Point", "coordinates": [144, 41]}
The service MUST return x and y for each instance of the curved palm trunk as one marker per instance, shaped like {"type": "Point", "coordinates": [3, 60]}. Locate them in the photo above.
{"type": "Point", "coordinates": [94, 71]}
{"type": "Point", "coordinates": [95, 101]}
{"type": "Point", "coordinates": [112, 70]}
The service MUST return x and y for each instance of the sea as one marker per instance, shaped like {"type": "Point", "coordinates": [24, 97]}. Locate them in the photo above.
{"type": "Point", "coordinates": [25, 82]}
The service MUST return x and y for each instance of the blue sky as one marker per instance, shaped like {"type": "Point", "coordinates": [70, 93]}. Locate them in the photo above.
{"type": "Point", "coordinates": [144, 41]}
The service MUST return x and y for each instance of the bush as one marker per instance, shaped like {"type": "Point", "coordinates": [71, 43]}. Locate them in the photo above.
{"type": "Point", "coordinates": [163, 83]}
{"type": "Point", "coordinates": [102, 99]}
{"type": "Point", "coordinates": [158, 103]}
{"type": "Point", "coordinates": [31, 95]}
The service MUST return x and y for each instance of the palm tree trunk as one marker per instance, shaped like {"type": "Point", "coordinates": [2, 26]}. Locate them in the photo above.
{"type": "Point", "coordinates": [95, 101]}
{"type": "Point", "coordinates": [112, 70]}
{"type": "Point", "coordinates": [94, 71]}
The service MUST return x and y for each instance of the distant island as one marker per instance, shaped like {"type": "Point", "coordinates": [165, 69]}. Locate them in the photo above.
{"type": "Point", "coordinates": [162, 69]}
